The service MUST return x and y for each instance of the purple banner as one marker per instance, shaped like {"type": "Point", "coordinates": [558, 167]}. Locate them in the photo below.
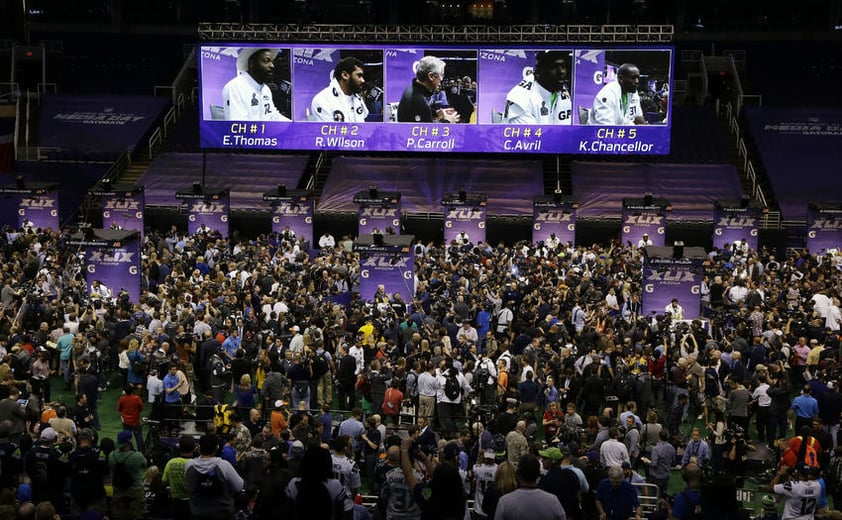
{"type": "Point", "coordinates": [734, 224]}
{"type": "Point", "coordinates": [392, 268]}
{"type": "Point", "coordinates": [469, 218]}
{"type": "Point", "coordinates": [117, 267]}
{"type": "Point", "coordinates": [590, 70]}
{"type": "Point", "coordinates": [297, 215]}
{"type": "Point", "coordinates": [475, 84]}
{"type": "Point", "coordinates": [824, 228]}
{"type": "Point", "coordinates": [644, 220]}
{"type": "Point", "coordinates": [123, 211]}
{"type": "Point", "coordinates": [212, 213]}
{"type": "Point", "coordinates": [384, 217]}
{"type": "Point", "coordinates": [95, 124]}
{"type": "Point", "coordinates": [40, 211]}
{"type": "Point", "coordinates": [791, 141]}
{"type": "Point", "coordinates": [668, 278]}
{"type": "Point", "coordinates": [554, 218]}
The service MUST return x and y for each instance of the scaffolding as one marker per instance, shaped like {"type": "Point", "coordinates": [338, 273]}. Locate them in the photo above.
{"type": "Point", "coordinates": [439, 34]}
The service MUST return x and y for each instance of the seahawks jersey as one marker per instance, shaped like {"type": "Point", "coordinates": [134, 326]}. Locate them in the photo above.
{"type": "Point", "coordinates": [528, 103]}
{"type": "Point", "coordinates": [484, 475]}
{"type": "Point", "coordinates": [347, 473]}
{"type": "Point", "coordinates": [244, 99]}
{"type": "Point", "coordinates": [398, 497]}
{"type": "Point", "coordinates": [331, 104]}
{"type": "Point", "coordinates": [801, 498]}
{"type": "Point", "coordinates": [613, 107]}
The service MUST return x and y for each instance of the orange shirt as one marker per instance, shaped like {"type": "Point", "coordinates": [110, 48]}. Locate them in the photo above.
{"type": "Point", "coordinates": [278, 422]}
{"type": "Point", "coordinates": [502, 381]}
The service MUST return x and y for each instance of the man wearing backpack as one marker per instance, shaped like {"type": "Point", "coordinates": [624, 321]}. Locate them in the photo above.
{"type": "Point", "coordinates": [212, 482]}
{"type": "Point", "coordinates": [323, 369]}
{"type": "Point", "coordinates": [451, 386]}
{"type": "Point", "coordinates": [127, 469]}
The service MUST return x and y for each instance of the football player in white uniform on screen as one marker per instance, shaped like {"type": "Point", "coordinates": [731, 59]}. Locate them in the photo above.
{"type": "Point", "coordinates": [247, 97]}
{"type": "Point", "coordinates": [618, 102]}
{"type": "Point", "coordinates": [542, 98]}
{"type": "Point", "coordinates": [342, 100]}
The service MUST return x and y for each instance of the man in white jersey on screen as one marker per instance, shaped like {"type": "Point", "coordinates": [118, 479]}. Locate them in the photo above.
{"type": "Point", "coordinates": [248, 97]}
{"type": "Point", "coordinates": [618, 102]}
{"type": "Point", "coordinates": [342, 100]}
{"type": "Point", "coordinates": [542, 98]}
{"type": "Point", "coordinates": [483, 471]}
{"type": "Point", "coordinates": [802, 492]}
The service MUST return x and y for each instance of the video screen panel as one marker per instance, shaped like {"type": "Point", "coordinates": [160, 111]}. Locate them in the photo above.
{"type": "Point", "coordinates": [435, 98]}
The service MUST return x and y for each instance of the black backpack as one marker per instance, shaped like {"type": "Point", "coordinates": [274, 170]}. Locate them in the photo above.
{"type": "Point", "coordinates": [481, 376]}
{"type": "Point", "coordinates": [711, 382]}
{"type": "Point", "coordinates": [210, 484]}
{"type": "Point", "coordinates": [320, 365]}
{"type": "Point", "coordinates": [121, 477]}
{"type": "Point", "coordinates": [452, 389]}
{"type": "Point", "coordinates": [139, 366]}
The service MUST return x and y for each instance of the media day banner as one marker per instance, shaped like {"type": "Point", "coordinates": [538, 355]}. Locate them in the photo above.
{"type": "Point", "coordinates": [549, 217]}
{"type": "Point", "coordinates": [639, 220]}
{"type": "Point", "coordinates": [123, 211]}
{"type": "Point", "coordinates": [40, 211]}
{"type": "Point", "coordinates": [824, 228]}
{"type": "Point", "coordinates": [212, 212]}
{"type": "Point", "coordinates": [734, 224]}
{"type": "Point", "coordinates": [297, 214]}
{"type": "Point", "coordinates": [390, 266]}
{"type": "Point", "coordinates": [469, 218]}
{"type": "Point", "coordinates": [380, 216]}
{"type": "Point", "coordinates": [95, 124]}
{"type": "Point", "coordinates": [301, 71]}
{"type": "Point", "coordinates": [668, 278]}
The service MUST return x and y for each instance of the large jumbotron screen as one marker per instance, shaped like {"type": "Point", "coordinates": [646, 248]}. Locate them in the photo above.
{"type": "Point", "coordinates": [562, 99]}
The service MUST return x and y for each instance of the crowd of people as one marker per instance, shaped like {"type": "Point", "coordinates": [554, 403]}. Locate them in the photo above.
{"type": "Point", "coordinates": [503, 379]}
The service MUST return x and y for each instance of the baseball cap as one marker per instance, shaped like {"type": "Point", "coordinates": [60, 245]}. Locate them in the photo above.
{"type": "Point", "coordinates": [297, 449]}
{"type": "Point", "coordinates": [124, 437]}
{"type": "Point", "coordinates": [86, 433]}
{"type": "Point", "coordinates": [295, 328]}
{"type": "Point", "coordinates": [49, 434]}
{"type": "Point", "coordinates": [551, 453]}
{"type": "Point", "coordinates": [489, 454]}
{"type": "Point", "coordinates": [803, 467]}
{"type": "Point", "coordinates": [768, 501]}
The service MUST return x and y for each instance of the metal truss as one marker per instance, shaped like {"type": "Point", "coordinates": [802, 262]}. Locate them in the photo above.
{"type": "Point", "coordinates": [437, 34]}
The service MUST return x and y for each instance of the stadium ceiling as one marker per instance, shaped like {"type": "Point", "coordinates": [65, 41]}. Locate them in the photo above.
{"type": "Point", "coordinates": [437, 34]}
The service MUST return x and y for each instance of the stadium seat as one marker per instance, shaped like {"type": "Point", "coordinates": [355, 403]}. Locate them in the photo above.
{"type": "Point", "coordinates": [217, 113]}
{"type": "Point", "coordinates": [584, 115]}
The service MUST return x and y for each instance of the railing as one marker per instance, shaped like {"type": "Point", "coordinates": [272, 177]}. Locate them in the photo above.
{"type": "Point", "coordinates": [745, 163]}
{"type": "Point", "coordinates": [122, 162]}
{"type": "Point", "coordinates": [169, 118]}
{"type": "Point", "coordinates": [155, 139]}
{"type": "Point", "coordinates": [311, 184]}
